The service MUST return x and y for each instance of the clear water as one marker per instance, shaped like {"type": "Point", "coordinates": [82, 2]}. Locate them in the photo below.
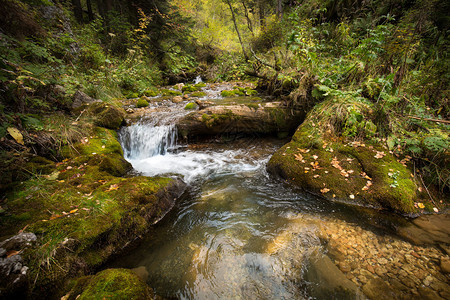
{"type": "Point", "coordinates": [238, 233]}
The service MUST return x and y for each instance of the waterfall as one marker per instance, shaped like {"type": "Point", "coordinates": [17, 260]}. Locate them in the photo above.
{"type": "Point", "coordinates": [141, 141]}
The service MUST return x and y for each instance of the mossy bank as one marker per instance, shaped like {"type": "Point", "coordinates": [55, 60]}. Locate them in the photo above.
{"type": "Point", "coordinates": [334, 156]}
{"type": "Point", "coordinates": [83, 212]}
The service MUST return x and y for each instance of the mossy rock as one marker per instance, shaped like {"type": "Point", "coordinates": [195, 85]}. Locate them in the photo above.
{"type": "Point", "coordinates": [107, 115]}
{"type": "Point", "coordinates": [150, 93]}
{"type": "Point", "coordinates": [232, 93]}
{"type": "Point", "coordinates": [167, 92]}
{"type": "Point", "coordinates": [200, 85]}
{"type": "Point", "coordinates": [132, 95]}
{"type": "Point", "coordinates": [40, 165]}
{"type": "Point", "coordinates": [356, 173]}
{"type": "Point", "coordinates": [190, 105]}
{"type": "Point", "coordinates": [102, 141]}
{"type": "Point", "coordinates": [142, 103]}
{"type": "Point", "coordinates": [197, 94]}
{"type": "Point", "coordinates": [111, 284]}
{"type": "Point", "coordinates": [191, 88]}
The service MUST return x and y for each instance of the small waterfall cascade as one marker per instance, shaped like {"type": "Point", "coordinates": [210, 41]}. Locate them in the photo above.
{"type": "Point", "coordinates": [141, 141]}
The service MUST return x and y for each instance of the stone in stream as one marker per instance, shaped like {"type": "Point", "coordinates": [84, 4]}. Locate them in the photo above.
{"type": "Point", "coordinates": [272, 118]}
{"type": "Point", "coordinates": [326, 281]}
{"type": "Point", "coordinates": [428, 229]}
{"type": "Point", "coordinates": [445, 264]}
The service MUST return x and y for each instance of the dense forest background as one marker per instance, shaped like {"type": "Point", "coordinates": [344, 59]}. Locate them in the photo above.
{"type": "Point", "coordinates": [383, 63]}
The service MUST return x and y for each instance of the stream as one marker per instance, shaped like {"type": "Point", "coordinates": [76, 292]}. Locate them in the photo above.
{"type": "Point", "coordinates": [238, 233]}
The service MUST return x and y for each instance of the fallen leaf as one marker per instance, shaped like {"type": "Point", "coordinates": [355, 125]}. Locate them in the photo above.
{"type": "Point", "coordinates": [69, 168]}
{"type": "Point", "coordinates": [15, 133]}
{"type": "Point", "coordinates": [113, 187]}
{"type": "Point", "coordinates": [315, 157]}
{"type": "Point", "coordinates": [352, 196]}
{"type": "Point", "coordinates": [73, 211]}
{"type": "Point", "coordinates": [420, 205]}
{"type": "Point", "coordinates": [380, 154]}
{"type": "Point", "coordinates": [53, 176]}
{"type": "Point", "coordinates": [11, 253]}
{"type": "Point", "coordinates": [53, 217]}
{"type": "Point", "coordinates": [324, 190]}
{"type": "Point", "coordinates": [435, 209]}
{"type": "Point", "coordinates": [298, 157]}
{"type": "Point", "coordinates": [316, 176]}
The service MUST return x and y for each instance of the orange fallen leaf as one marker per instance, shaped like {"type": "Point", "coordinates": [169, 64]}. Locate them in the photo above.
{"type": "Point", "coordinates": [324, 190]}
{"type": "Point", "coordinates": [298, 157]}
{"type": "Point", "coordinates": [11, 253]}
{"type": "Point", "coordinates": [73, 211]}
{"type": "Point", "coordinates": [380, 154]}
{"type": "Point", "coordinates": [113, 187]}
{"type": "Point", "coordinates": [420, 205]}
{"type": "Point", "coordinates": [53, 217]}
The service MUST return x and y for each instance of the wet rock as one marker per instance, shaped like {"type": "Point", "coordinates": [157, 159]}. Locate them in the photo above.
{"type": "Point", "coordinates": [141, 272]}
{"type": "Point", "coordinates": [80, 99]}
{"type": "Point", "coordinates": [327, 281]}
{"type": "Point", "coordinates": [239, 119]}
{"type": "Point", "coordinates": [427, 229]}
{"type": "Point", "coordinates": [177, 99]}
{"type": "Point", "coordinates": [106, 115]}
{"type": "Point", "coordinates": [344, 267]}
{"type": "Point", "coordinates": [377, 289]}
{"type": "Point", "coordinates": [428, 294]}
{"type": "Point", "coordinates": [445, 264]}
{"type": "Point", "coordinates": [202, 104]}
{"type": "Point", "coordinates": [13, 275]}
{"type": "Point", "coordinates": [19, 242]}
{"type": "Point", "coordinates": [111, 283]}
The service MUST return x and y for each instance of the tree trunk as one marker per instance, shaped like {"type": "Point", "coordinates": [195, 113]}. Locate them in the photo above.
{"type": "Point", "coordinates": [280, 9]}
{"type": "Point", "coordinates": [249, 22]}
{"type": "Point", "coordinates": [89, 9]}
{"type": "Point", "coordinates": [237, 30]}
{"type": "Point", "coordinates": [77, 10]}
{"type": "Point", "coordinates": [262, 16]}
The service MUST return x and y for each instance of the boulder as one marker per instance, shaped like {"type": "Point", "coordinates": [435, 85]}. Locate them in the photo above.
{"type": "Point", "coordinates": [272, 118]}
{"type": "Point", "coordinates": [321, 160]}
{"type": "Point", "coordinates": [177, 99]}
{"type": "Point", "coordinates": [107, 115]}
{"type": "Point", "coordinates": [111, 284]}
{"type": "Point", "coordinates": [326, 281]}
{"type": "Point", "coordinates": [80, 99]}
{"type": "Point", "coordinates": [427, 229]}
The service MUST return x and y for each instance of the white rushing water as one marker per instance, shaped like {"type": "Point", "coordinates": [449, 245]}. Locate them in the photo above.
{"type": "Point", "coordinates": [153, 150]}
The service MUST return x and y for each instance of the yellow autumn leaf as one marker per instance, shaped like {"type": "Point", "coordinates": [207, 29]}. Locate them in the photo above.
{"type": "Point", "coordinates": [324, 190]}
{"type": "Point", "coordinates": [15, 133]}
{"type": "Point", "coordinates": [73, 211]}
{"type": "Point", "coordinates": [420, 205]}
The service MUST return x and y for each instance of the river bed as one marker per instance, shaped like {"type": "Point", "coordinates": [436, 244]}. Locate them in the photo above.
{"type": "Point", "coordinates": [239, 233]}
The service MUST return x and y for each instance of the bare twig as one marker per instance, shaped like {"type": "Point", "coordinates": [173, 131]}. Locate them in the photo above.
{"type": "Point", "coordinates": [428, 192]}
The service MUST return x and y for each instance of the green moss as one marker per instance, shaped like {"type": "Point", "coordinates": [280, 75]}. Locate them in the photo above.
{"type": "Point", "coordinates": [167, 92]}
{"type": "Point", "coordinates": [151, 93]}
{"type": "Point", "coordinates": [40, 165]}
{"type": "Point", "coordinates": [191, 88]}
{"type": "Point", "coordinates": [198, 94]}
{"type": "Point", "coordinates": [102, 141]}
{"type": "Point", "coordinates": [200, 85]}
{"type": "Point", "coordinates": [191, 105]}
{"type": "Point", "coordinates": [218, 119]}
{"type": "Point", "coordinates": [254, 106]}
{"type": "Point", "coordinates": [111, 284]}
{"type": "Point", "coordinates": [250, 92]}
{"type": "Point", "coordinates": [142, 103]}
{"type": "Point", "coordinates": [132, 95]}
{"type": "Point", "coordinates": [390, 183]}
{"type": "Point", "coordinates": [106, 115]}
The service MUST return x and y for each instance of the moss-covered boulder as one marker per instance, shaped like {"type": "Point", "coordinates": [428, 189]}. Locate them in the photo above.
{"type": "Point", "coordinates": [269, 118]}
{"type": "Point", "coordinates": [321, 158]}
{"type": "Point", "coordinates": [107, 115]}
{"type": "Point", "coordinates": [111, 284]}
{"type": "Point", "coordinates": [83, 212]}
{"type": "Point", "coordinates": [142, 103]}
